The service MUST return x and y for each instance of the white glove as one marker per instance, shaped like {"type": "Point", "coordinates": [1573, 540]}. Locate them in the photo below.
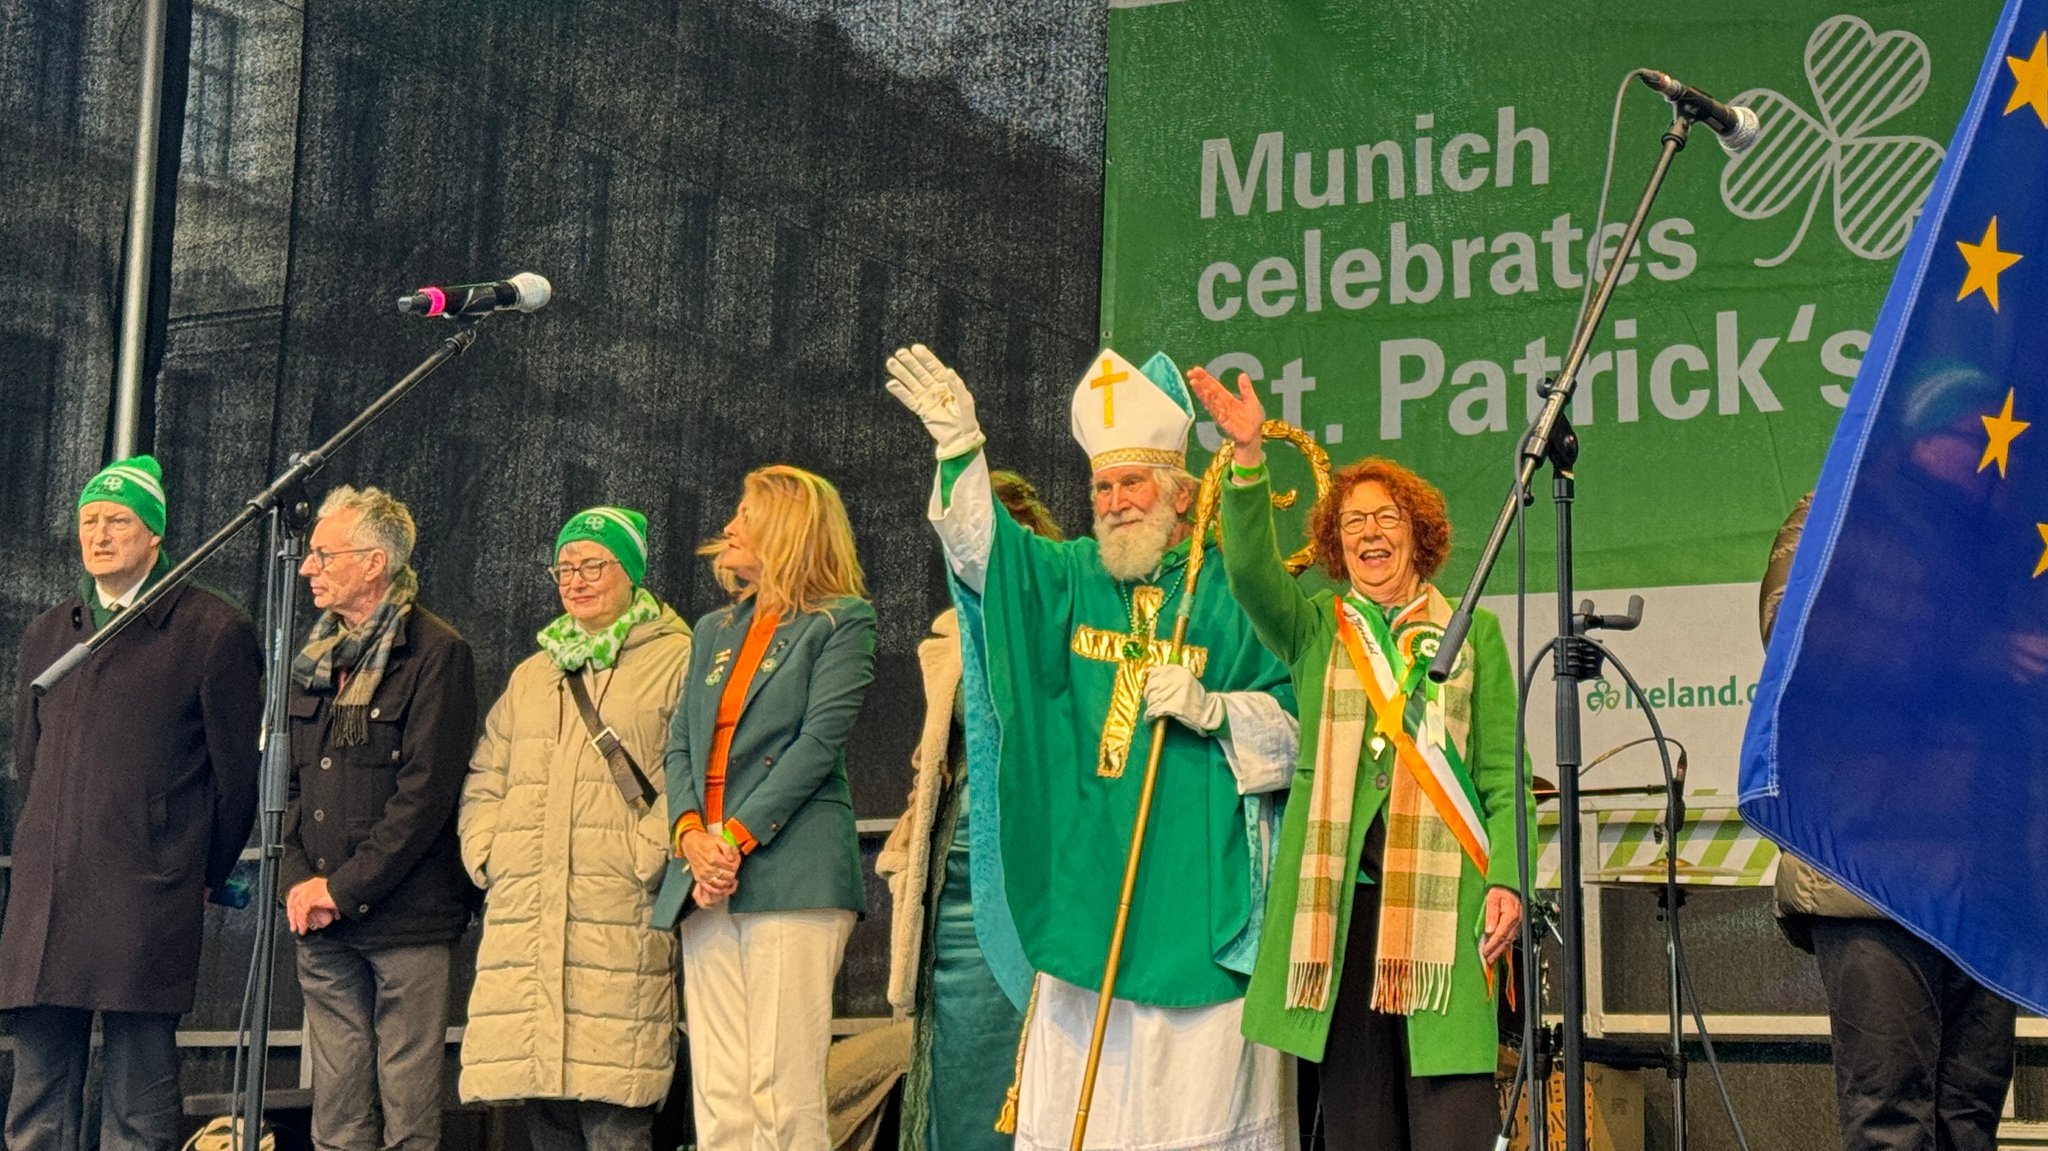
{"type": "Point", "coordinates": [938, 396]}
{"type": "Point", "coordinates": [1173, 690]}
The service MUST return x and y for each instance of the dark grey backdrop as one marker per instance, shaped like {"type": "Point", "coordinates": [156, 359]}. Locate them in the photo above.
{"type": "Point", "coordinates": [743, 205]}
{"type": "Point", "coordinates": [743, 208]}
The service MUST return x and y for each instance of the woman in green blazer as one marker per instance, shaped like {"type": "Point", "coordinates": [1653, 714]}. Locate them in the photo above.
{"type": "Point", "coordinates": [1393, 897]}
{"type": "Point", "coordinates": [763, 818]}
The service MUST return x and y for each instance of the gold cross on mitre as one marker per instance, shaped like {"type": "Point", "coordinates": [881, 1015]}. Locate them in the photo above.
{"type": "Point", "coordinates": [1107, 380]}
{"type": "Point", "coordinates": [1135, 655]}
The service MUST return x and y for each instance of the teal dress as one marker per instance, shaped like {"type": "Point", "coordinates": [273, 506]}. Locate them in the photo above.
{"type": "Point", "coordinates": [965, 1040]}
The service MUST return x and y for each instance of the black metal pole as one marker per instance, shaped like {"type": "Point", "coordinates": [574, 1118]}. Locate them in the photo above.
{"type": "Point", "coordinates": [1570, 909]}
{"type": "Point", "coordinates": [288, 521]}
{"type": "Point", "coordinates": [1550, 438]}
{"type": "Point", "coordinates": [1674, 899]}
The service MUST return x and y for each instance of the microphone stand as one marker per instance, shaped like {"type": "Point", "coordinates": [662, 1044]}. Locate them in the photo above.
{"type": "Point", "coordinates": [1551, 439]}
{"type": "Point", "coordinates": [284, 503]}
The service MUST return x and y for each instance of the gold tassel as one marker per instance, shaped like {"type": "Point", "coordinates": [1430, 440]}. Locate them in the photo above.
{"type": "Point", "coordinates": [1006, 1120]}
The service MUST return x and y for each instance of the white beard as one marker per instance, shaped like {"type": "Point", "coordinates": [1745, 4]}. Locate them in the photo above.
{"type": "Point", "coordinates": [1132, 550]}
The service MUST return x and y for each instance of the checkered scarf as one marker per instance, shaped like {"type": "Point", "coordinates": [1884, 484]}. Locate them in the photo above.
{"type": "Point", "coordinates": [1418, 928]}
{"type": "Point", "coordinates": [356, 656]}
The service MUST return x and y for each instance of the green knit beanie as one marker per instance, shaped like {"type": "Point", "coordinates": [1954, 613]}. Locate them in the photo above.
{"type": "Point", "coordinates": [622, 530]}
{"type": "Point", "coordinates": [136, 483]}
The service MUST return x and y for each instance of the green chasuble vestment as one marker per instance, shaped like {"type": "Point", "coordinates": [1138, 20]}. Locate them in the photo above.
{"type": "Point", "coordinates": [1057, 627]}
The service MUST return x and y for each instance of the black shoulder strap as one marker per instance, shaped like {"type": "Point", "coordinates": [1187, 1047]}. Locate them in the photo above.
{"type": "Point", "coordinates": [633, 786]}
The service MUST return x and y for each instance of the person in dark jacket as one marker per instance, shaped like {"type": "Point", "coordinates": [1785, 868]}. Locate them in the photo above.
{"type": "Point", "coordinates": [138, 772]}
{"type": "Point", "coordinates": [383, 715]}
{"type": "Point", "coordinates": [1923, 1052]}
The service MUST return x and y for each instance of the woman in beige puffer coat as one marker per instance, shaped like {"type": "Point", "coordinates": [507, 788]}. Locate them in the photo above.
{"type": "Point", "coordinates": [573, 1011]}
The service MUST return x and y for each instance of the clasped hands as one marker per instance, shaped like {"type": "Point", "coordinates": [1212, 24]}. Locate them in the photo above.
{"type": "Point", "coordinates": [714, 864]}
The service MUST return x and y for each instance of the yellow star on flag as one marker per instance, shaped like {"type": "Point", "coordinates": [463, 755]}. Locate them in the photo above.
{"type": "Point", "coordinates": [1985, 261]}
{"type": "Point", "coordinates": [2002, 430]}
{"type": "Point", "coordinates": [2030, 81]}
{"type": "Point", "coordinates": [2043, 565]}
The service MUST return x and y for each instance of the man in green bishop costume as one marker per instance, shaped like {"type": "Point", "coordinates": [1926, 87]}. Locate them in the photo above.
{"type": "Point", "coordinates": [1075, 638]}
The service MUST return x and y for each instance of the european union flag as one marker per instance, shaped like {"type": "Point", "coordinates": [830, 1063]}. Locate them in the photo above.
{"type": "Point", "coordinates": [1899, 739]}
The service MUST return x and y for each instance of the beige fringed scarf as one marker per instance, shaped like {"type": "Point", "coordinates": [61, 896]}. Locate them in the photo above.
{"type": "Point", "coordinates": [1418, 928]}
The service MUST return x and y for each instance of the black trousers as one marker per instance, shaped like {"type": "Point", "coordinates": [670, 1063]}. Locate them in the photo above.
{"type": "Point", "coordinates": [1923, 1052]}
{"type": "Point", "coordinates": [138, 1089]}
{"type": "Point", "coordinates": [1369, 1101]}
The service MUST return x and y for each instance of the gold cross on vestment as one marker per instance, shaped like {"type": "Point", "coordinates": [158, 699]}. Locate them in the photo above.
{"type": "Point", "coordinates": [1135, 654]}
{"type": "Point", "coordinates": [1108, 381]}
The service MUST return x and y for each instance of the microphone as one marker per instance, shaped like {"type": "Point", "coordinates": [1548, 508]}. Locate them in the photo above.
{"type": "Point", "coordinates": [525, 292]}
{"type": "Point", "coordinates": [1735, 125]}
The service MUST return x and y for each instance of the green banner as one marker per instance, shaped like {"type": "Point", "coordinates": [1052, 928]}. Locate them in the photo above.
{"type": "Point", "coordinates": [1384, 213]}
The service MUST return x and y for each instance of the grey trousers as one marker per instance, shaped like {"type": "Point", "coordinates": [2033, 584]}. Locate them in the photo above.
{"type": "Point", "coordinates": [588, 1125]}
{"type": "Point", "coordinates": [139, 1080]}
{"type": "Point", "coordinates": [376, 1035]}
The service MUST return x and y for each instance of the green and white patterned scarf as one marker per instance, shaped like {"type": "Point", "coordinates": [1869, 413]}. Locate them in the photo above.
{"type": "Point", "coordinates": [570, 647]}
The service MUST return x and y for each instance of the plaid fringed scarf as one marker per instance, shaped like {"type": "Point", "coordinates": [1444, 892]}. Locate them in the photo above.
{"type": "Point", "coordinates": [1418, 938]}
{"type": "Point", "coordinates": [1418, 928]}
{"type": "Point", "coordinates": [1340, 739]}
{"type": "Point", "coordinates": [357, 655]}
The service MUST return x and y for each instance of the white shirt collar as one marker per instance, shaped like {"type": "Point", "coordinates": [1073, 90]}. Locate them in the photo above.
{"type": "Point", "coordinates": [125, 599]}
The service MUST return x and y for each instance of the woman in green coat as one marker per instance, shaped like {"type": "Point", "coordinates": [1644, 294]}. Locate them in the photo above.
{"type": "Point", "coordinates": [1392, 899]}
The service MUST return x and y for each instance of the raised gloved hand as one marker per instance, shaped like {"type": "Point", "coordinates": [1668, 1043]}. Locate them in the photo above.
{"type": "Point", "coordinates": [1172, 690]}
{"type": "Point", "coordinates": [938, 396]}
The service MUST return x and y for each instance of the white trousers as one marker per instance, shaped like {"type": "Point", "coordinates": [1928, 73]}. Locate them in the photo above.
{"type": "Point", "coordinates": [757, 994]}
{"type": "Point", "coordinates": [1171, 1078]}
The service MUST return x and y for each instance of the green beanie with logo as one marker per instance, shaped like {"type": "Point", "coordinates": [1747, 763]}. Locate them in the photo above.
{"type": "Point", "coordinates": [621, 530]}
{"type": "Point", "coordinates": [136, 483]}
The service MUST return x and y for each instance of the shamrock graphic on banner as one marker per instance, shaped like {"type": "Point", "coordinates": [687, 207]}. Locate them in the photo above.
{"type": "Point", "coordinates": [1859, 79]}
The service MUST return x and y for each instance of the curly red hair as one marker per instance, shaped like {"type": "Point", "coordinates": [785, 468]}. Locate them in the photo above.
{"type": "Point", "coordinates": [1428, 518]}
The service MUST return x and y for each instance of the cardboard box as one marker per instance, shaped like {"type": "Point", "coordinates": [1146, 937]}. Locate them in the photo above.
{"type": "Point", "coordinates": [1614, 1110]}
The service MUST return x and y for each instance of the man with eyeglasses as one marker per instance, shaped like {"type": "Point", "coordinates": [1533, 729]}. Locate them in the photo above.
{"type": "Point", "coordinates": [138, 776]}
{"type": "Point", "coordinates": [383, 716]}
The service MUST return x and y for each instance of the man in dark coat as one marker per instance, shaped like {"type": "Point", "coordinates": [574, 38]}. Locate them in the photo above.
{"type": "Point", "coordinates": [139, 773]}
{"type": "Point", "coordinates": [383, 718]}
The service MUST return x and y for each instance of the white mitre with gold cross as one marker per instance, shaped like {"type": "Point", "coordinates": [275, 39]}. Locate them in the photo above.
{"type": "Point", "coordinates": [1124, 415]}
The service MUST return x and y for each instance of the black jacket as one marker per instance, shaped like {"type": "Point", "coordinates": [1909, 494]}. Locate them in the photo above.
{"type": "Point", "coordinates": [378, 820]}
{"type": "Point", "coordinates": [138, 773]}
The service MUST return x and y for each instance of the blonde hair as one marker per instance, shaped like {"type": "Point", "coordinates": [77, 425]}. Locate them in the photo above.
{"type": "Point", "coordinates": [801, 533]}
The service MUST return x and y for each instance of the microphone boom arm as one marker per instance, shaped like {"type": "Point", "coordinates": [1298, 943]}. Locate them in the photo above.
{"type": "Point", "coordinates": [1550, 437]}
{"type": "Point", "coordinates": [259, 505]}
